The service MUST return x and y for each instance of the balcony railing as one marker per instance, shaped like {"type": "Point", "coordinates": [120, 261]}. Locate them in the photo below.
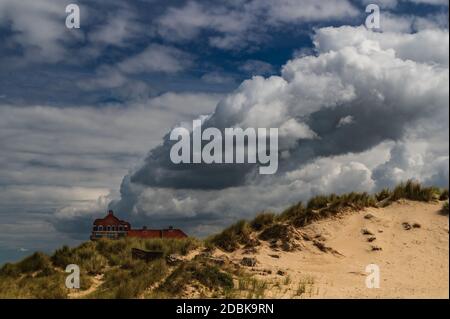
{"type": "Point", "coordinates": [108, 234]}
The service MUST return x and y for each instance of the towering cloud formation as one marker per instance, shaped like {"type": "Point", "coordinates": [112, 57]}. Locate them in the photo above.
{"type": "Point", "coordinates": [369, 109]}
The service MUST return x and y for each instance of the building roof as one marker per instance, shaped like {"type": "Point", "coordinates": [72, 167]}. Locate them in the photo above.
{"type": "Point", "coordinates": [110, 219]}
{"type": "Point", "coordinates": [157, 233]}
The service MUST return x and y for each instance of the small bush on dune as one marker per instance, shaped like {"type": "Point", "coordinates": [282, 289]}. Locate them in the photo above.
{"type": "Point", "coordinates": [95, 264]}
{"type": "Point", "coordinates": [276, 231]}
{"type": "Point", "coordinates": [86, 256]}
{"type": "Point", "coordinates": [49, 287]}
{"type": "Point", "coordinates": [230, 239]}
{"type": "Point", "coordinates": [62, 257]}
{"type": "Point", "coordinates": [383, 194]}
{"type": "Point", "coordinates": [444, 208]}
{"type": "Point", "coordinates": [414, 191]}
{"type": "Point", "coordinates": [29, 286]}
{"type": "Point", "coordinates": [130, 282]}
{"type": "Point", "coordinates": [139, 278]}
{"type": "Point", "coordinates": [292, 212]}
{"type": "Point", "coordinates": [262, 220]}
{"type": "Point", "coordinates": [36, 262]}
{"type": "Point", "coordinates": [306, 218]}
{"type": "Point", "coordinates": [320, 207]}
{"type": "Point", "coordinates": [318, 202]}
{"type": "Point", "coordinates": [107, 247]}
{"type": "Point", "coordinates": [198, 270]}
{"type": "Point", "coordinates": [172, 246]}
{"type": "Point", "coordinates": [356, 200]}
{"type": "Point", "coordinates": [9, 270]}
{"type": "Point", "coordinates": [444, 195]}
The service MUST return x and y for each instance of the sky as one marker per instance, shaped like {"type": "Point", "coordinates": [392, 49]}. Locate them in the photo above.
{"type": "Point", "coordinates": [85, 113]}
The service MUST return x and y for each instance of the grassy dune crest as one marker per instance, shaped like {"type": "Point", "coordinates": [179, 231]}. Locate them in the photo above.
{"type": "Point", "coordinates": [108, 270]}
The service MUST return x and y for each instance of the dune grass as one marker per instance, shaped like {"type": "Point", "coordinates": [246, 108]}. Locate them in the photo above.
{"type": "Point", "coordinates": [273, 226]}
{"type": "Point", "coordinates": [415, 191]}
{"type": "Point", "coordinates": [197, 272]}
{"type": "Point", "coordinates": [262, 220]}
{"type": "Point", "coordinates": [130, 281]}
{"type": "Point", "coordinates": [232, 237]}
{"type": "Point", "coordinates": [444, 208]}
{"type": "Point", "coordinates": [43, 276]}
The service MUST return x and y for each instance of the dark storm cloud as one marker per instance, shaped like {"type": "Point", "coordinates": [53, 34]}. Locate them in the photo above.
{"type": "Point", "coordinates": [378, 114]}
{"type": "Point", "coordinates": [338, 113]}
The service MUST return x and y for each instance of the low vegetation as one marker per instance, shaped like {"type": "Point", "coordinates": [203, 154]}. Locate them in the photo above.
{"type": "Point", "coordinates": [262, 220]}
{"type": "Point", "coordinates": [108, 263]}
{"type": "Point", "coordinates": [445, 208]}
{"type": "Point", "coordinates": [272, 226]}
{"type": "Point", "coordinates": [200, 274]}
{"type": "Point", "coordinates": [232, 237]}
{"type": "Point", "coordinates": [43, 276]}
{"type": "Point", "coordinates": [415, 191]}
{"type": "Point", "coordinates": [444, 195]}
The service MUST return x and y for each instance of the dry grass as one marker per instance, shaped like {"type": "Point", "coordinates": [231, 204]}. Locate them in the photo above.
{"type": "Point", "coordinates": [233, 236]}
{"type": "Point", "coordinates": [198, 273]}
{"type": "Point", "coordinates": [42, 276]}
{"type": "Point", "coordinates": [272, 226]}
{"type": "Point", "coordinates": [445, 208]}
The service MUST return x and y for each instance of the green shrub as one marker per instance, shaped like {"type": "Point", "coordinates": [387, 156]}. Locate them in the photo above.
{"type": "Point", "coordinates": [444, 195]}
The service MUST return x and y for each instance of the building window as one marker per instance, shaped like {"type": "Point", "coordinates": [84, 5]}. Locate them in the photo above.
{"type": "Point", "coordinates": [108, 228]}
{"type": "Point", "coordinates": [120, 228]}
{"type": "Point", "coordinates": [95, 228]}
{"type": "Point", "coordinates": [100, 228]}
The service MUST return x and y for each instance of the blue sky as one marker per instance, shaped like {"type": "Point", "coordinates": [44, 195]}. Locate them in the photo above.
{"type": "Point", "coordinates": [69, 56]}
{"type": "Point", "coordinates": [81, 109]}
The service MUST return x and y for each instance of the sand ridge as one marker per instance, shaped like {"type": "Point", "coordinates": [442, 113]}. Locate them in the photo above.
{"type": "Point", "coordinates": [407, 240]}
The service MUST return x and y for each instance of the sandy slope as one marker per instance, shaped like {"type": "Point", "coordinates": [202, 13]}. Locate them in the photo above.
{"type": "Point", "coordinates": [413, 263]}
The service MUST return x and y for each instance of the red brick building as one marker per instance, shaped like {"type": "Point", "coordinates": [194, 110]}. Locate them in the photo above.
{"type": "Point", "coordinates": [112, 227]}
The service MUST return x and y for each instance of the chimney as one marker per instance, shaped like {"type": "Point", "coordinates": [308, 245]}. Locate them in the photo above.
{"type": "Point", "coordinates": [110, 212]}
{"type": "Point", "coordinates": [144, 227]}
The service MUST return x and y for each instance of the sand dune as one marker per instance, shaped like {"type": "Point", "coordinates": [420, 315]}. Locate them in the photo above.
{"type": "Point", "coordinates": [413, 250]}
